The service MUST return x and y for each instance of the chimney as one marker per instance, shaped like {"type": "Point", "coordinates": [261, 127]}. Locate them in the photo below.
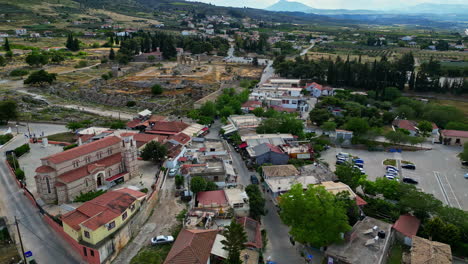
{"type": "Point", "coordinates": [80, 142]}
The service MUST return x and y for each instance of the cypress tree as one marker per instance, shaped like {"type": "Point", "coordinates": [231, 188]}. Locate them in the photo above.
{"type": "Point", "coordinates": [6, 46]}
{"type": "Point", "coordinates": [111, 54]}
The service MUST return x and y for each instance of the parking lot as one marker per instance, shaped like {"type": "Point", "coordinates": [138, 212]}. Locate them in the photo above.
{"type": "Point", "coordinates": [438, 171]}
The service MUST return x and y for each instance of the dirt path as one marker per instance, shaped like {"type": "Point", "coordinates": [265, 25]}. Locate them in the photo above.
{"type": "Point", "coordinates": [159, 223]}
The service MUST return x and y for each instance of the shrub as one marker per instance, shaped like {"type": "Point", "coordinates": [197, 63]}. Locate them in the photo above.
{"type": "Point", "coordinates": [70, 146]}
{"type": "Point", "coordinates": [19, 72]}
{"type": "Point", "coordinates": [21, 150]}
{"type": "Point", "coordinates": [84, 197]}
{"type": "Point", "coordinates": [13, 161]}
{"type": "Point", "coordinates": [81, 64]}
{"type": "Point", "coordinates": [157, 89]}
{"type": "Point", "coordinates": [5, 138]}
{"type": "Point", "coordinates": [19, 174]}
{"type": "Point", "coordinates": [131, 103]}
{"type": "Point", "coordinates": [144, 190]}
{"type": "Point", "coordinates": [40, 76]}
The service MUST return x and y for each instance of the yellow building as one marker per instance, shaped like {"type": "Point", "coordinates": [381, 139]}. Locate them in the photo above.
{"type": "Point", "coordinates": [97, 219]}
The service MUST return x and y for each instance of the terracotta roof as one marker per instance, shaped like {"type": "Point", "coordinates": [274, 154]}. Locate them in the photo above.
{"type": "Point", "coordinates": [406, 124]}
{"type": "Point", "coordinates": [173, 150]}
{"type": "Point", "coordinates": [434, 126]}
{"type": "Point", "coordinates": [181, 138]}
{"type": "Point", "coordinates": [407, 224]}
{"type": "Point", "coordinates": [169, 126]}
{"type": "Point", "coordinates": [283, 109]}
{"type": "Point", "coordinates": [132, 192]}
{"type": "Point", "coordinates": [82, 150]}
{"type": "Point", "coordinates": [280, 170]}
{"type": "Point", "coordinates": [44, 169]}
{"type": "Point", "coordinates": [101, 210]}
{"type": "Point", "coordinates": [454, 133]}
{"type": "Point", "coordinates": [212, 197]}
{"type": "Point", "coordinates": [127, 134]}
{"type": "Point", "coordinates": [79, 173]}
{"type": "Point", "coordinates": [192, 247]}
{"type": "Point", "coordinates": [424, 251]}
{"type": "Point", "coordinates": [86, 137]}
{"type": "Point", "coordinates": [155, 118]}
{"type": "Point", "coordinates": [134, 123]}
{"type": "Point", "coordinates": [145, 138]}
{"type": "Point", "coordinates": [252, 104]}
{"type": "Point", "coordinates": [252, 229]}
{"type": "Point", "coordinates": [360, 201]}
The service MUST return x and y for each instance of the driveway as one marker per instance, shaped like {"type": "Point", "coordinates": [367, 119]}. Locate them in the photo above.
{"type": "Point", "coordinates": [438, 170]}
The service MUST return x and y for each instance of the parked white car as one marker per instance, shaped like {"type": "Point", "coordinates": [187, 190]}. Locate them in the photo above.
{"type": "Point", "coordinates": [162, 240]}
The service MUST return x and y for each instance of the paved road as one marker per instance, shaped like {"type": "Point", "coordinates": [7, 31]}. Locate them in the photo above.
{"type": "Point", "coordinates": [304, 52]}
{"type": "Point", "coordinates": [46, 245]}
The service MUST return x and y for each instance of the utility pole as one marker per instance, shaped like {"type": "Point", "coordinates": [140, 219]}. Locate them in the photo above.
{"type": "Point", "coordinates": [20, 240]}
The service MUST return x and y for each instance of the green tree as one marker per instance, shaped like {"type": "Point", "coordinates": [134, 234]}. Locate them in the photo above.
{"type": "Point", "coordinates": [396, 137]}
{"type": "Point", "coordinates": [197, 184]}
{"type": "Point", "coordinates": [2, 61]}
{"type": "Point", "coordinates": [40, 77]}
{"type": "Point", "coordinates": [154, 151]}
{"type": "Point", "coordinates": [328, 126]}
{"type": "Point", "coordinates": [425, 128]}
{"type": "Point", "coordinates": [211, 186]}
{"type": "Point", "coordinates": [358, 125]}
{"type": "Point", "coordinates": [6, 45]}
{"type": "Point", "coordinates": [234, 242]}
{"type": "Point", "coordinates": [464, 155]}
{"type": "Point", "coordinates": [391, 93]}
{"type": "Point", "coordinates": [258, 111]}
{"type": "Point", "coordinates": [319, 116]}
{"type": "Point", "coordinates": [179, 181]}
{"type": "Point", "coordinates": [157, 89]}
{"type": "Point", "coordinates": [73, 126]}
{"type": "Point", "coordinates": [443, 232]}
{"type": "Point", "coordinates": [111, 54]}
{"type": "Point", "coordinates": [37, 59]}
{"type": "Point", "coordinates": [349, 175]}
{"type": "Point", "coordinates": [256, 201]}
{"type": "Point", "coordinates": [8, 111]}
{"type": "Point", "coordinates": [324, 221]}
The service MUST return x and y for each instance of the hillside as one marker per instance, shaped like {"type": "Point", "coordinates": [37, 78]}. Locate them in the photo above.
{"type": "Point", "coordinates": [288, 6]}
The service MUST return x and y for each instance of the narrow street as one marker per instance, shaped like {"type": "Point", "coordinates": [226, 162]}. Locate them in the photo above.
{"type": "Point", "coordinates": [159, 223]}
{"type": "Point", "coordinates": [46, 245]}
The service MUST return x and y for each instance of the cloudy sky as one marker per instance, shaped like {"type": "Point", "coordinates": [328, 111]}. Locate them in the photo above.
{"type": "Point", "coordinates": [335, 4]}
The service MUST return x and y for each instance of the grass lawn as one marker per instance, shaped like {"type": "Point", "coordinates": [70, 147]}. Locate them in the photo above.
{"type": "Point", "coordinates": [395, 254]}
{"type": "Point", "coordinates": [406, 162]}
{"type": "Point", "coordinates": [63, 137]}
{"type": "Point", "coordinates": [463, 106]}
{"type": "Point", "coordinates": [391, 162]}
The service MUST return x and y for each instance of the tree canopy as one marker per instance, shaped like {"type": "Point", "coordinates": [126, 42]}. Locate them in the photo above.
{"type": "Point", "coordinates": [40, 77]}
{"type": "Point", "coordinates": [8, 111]}
{"type": "Point", "coordinates": [154, 151]}
{"type": "Point", "coordinates": [234, 242]}
{"type": "Point", "coordinates": [256, 201]}
{"type": "Point", "coordinates": [325, 220]}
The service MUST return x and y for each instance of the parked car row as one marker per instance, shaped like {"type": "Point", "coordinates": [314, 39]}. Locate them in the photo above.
{"type": "Point", "coordinates": [391, 173]}
{"type": "Point", "coordinates": [343, 158]}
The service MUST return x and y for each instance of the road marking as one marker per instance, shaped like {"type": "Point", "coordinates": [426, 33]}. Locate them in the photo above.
{"type": "Point", "coordinates": [436, 175]}
{"type": "Point", "coordinates": [440, 178]}
{"type": "Point", "coordinates": [453, 193]}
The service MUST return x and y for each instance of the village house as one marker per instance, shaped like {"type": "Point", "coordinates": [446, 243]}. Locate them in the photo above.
{"type": "Point", "coordinates": [249, 106]}
{"type": "Point", "coordinates": [342, 136]}
{"type": "Point", "coordinates": [192, 246]}
{"type": "Point", "coordinates": [268, 153]}
{"type": "Point", "coordinates": [424, 251]}
{"type": "Point", "coordinates": [100, 223]}
{"type": "Point", "coordinates": [367, 243]}
{"type": "Point", "coordinates": [21, 31]}
{"type": "Point", "coordinates": [97, 165]}
{"type": "Point", "coordinates": [238, 200]}
{"type": "Point", "coordinates": [318, 90]}
{"type": "Point", "coordinates": [454, 137]}
{"type": "Point", "coordinates": [406, 227]}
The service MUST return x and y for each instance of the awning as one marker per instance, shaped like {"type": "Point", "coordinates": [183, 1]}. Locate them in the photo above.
{"type": "Point", "coordinates": [115, 177]}
{"type": "Point", "coordinates": [205, 129]}
{"type": "Point", "coordinates": [243, 145]}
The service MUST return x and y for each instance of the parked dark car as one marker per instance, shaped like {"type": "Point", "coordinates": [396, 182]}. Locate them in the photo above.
{"type": "Point", "coordinates": [465, 163]}
{"type": "Point", "coordinates": [409, 180]}
{"type": "Point", "coordinates": [408, 166]}
{"type": "Point", "coordinates": [253, 179]}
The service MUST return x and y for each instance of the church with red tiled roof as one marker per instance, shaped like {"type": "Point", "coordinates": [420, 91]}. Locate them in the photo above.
{"type": "Point", "coordinates": [89, 167]}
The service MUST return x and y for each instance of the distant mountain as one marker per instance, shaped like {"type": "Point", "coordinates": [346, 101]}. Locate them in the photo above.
{"type": "Point", "coordinates": [287, 6]}
{"type": "Point", "coordinates": [428, 8]}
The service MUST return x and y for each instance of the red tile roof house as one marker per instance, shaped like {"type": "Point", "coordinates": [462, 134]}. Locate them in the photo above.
{"type": "Point", "coordinates": [454, 137]}
{"type": "Point", "coordinates": [212, 199]}
{"type": "Point", "coordinates": [192, 246]}
{"type": "Point", "coordinates": [406, 227]}
{"type": "Point", "coordinates": [249, 106]}
{"type": "Point", "coordinates": [409, 125]}
{"type": "Point", "coordinates": [167, 127]}
{"type": "Point", "coordinates": [318, 90]}
{"type": "Point", "coordinates": [252, 229]}
{"type": "Point", "coordinates": [96, 165]}
{"type": "Point", "coordinates": [99, 223]}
